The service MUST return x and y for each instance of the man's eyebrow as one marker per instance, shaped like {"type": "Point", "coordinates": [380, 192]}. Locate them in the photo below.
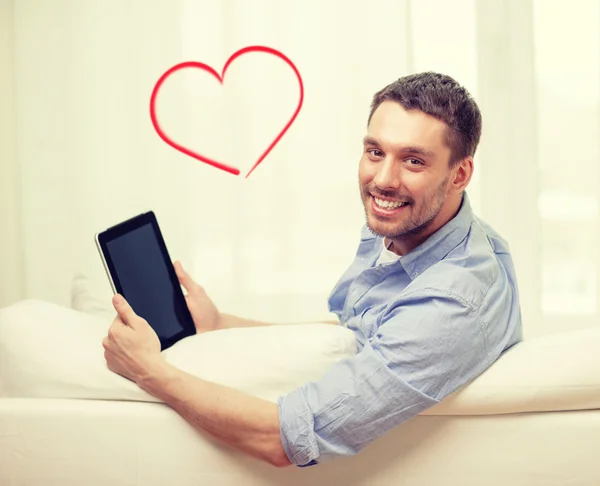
{"type": "Point", "coordinates": [412, 149]}
{"type": "Point", "coordinates": [370, 141]}
{"type": "Point", "coordinates": [418, 150]}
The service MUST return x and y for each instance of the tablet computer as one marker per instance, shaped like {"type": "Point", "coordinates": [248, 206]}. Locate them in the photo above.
{"type": "Point", "coordinates": [139, 268]}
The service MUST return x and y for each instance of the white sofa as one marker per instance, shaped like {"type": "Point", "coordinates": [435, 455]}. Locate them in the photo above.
{"type": "Point", "coordinates": [532, 419]}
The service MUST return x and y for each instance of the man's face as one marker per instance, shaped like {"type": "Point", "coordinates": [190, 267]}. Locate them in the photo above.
{"type": "Point", "coordinates": [404, 173]}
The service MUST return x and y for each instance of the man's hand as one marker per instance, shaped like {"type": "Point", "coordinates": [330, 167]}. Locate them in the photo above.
{"type": "Point", "coordinates": [132, 348]}
{"type": "Point", "coordinates": [204, 313]}
{"type": "Point", "coordinates": [247, 423]}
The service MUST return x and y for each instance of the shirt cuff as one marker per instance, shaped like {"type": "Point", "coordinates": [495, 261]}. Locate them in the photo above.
{"type": "Point", "coordinates": [296, 423]}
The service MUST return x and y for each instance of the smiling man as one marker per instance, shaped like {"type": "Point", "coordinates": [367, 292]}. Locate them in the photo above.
{"type": "Point", "coordinates": [431, 297]}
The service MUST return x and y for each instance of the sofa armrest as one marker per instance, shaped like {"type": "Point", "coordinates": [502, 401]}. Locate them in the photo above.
{"type": "Point", "coordinates": [557, 372]}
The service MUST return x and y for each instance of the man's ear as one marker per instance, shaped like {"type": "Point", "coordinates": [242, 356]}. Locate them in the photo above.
{"type": "Point", "coordinates": [463, 171]}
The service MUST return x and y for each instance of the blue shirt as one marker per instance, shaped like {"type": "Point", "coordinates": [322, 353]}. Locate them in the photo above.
{"type": "Point", "coordinates": [425, 325]}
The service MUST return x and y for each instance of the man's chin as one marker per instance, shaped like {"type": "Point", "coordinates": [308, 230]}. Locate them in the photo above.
{"type": "Point", "coordinates": [384, 229]}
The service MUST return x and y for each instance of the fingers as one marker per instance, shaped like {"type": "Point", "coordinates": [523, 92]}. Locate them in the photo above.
{"type": "Point", "coordinates": [181, 273]}
{"type": "Point", "coordinates": [113, 334]}
{"type": "Point", "coordinates": [126, 313]}
{"type": "Point", "coordinates": [184, 278]}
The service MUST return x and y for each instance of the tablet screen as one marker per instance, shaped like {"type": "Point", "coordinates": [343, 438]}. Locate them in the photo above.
{"type": "Point", "coordinates": [139, 267]}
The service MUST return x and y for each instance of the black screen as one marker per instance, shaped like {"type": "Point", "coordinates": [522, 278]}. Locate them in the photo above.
{"type": "Point", "coordinates": [143, 276]}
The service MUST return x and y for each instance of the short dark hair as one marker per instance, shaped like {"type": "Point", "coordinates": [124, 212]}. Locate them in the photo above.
{"type": "Point", "coordinates": [440, 96]}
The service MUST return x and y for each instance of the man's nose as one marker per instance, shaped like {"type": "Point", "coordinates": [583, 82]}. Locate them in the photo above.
{"type": "Point", "coordinates": [388, 174]}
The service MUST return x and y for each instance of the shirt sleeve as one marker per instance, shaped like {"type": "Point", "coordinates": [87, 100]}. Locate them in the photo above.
{"type": "Point", "coordinates": [424, 350]}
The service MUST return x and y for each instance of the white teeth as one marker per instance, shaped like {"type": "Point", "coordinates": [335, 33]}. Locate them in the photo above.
{"type": "Point", "coordinates": [388, 204]}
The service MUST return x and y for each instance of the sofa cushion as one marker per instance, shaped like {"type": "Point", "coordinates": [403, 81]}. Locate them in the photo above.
{"type": "Point", "coordinates": [49, 351]}
{"type": "Point", "coordinates": [53, 352]}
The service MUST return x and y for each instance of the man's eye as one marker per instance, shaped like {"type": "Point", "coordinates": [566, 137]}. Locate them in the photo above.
{"type": "Point", "coordinates": [375, 152]}
{"type": "Point", "coordinates": [414, 162]}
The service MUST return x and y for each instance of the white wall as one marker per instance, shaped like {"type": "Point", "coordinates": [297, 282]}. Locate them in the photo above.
{"type": "Point", "coordinates": [11, 263]}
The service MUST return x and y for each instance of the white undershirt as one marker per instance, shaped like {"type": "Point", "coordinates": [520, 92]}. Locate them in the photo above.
{"type": "Point", "coordinates": [386, 256]}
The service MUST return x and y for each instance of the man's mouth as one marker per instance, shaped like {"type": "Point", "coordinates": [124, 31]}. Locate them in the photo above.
{"type": "Point", "coordinates": [385, 204]}
{"type": "Point", "coordinates": [387, 207]}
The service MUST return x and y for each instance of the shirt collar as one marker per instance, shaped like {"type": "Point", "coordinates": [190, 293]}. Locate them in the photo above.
{"type": "Point", "coordinates": [442, 242]}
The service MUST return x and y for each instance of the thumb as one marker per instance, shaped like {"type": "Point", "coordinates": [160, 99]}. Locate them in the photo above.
{"type": "Point", "coordinates": [126, 313]}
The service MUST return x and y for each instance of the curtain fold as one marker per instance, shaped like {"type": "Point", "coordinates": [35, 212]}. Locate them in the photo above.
{"type": "Point", "coordinates": [507, 98]}
{"type": "Point", "coordinates": [11, 255]}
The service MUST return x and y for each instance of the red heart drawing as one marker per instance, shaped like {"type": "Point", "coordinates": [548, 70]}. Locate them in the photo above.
{"type": "Point", "coordinates": [210, 70]}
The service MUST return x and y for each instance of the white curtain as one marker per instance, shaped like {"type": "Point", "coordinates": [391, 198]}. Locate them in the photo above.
{"type": "Point", "coordinates": [272, 245]}
{"type": "Point", "coordinates": [11, 269]}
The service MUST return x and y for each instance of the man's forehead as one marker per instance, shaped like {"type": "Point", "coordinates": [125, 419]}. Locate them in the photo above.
{"type": "Point", "coordinates": [394, 125]}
